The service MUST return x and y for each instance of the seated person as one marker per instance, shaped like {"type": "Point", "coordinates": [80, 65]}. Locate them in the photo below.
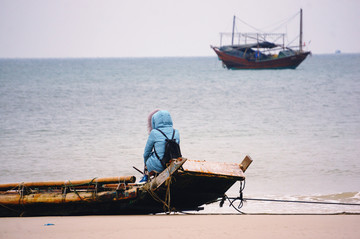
{"type": "Point", "coordinates": [155, 145]}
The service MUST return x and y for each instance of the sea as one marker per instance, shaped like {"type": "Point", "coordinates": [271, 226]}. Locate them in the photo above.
{"type": "Point", "coordinates": [70, 119]}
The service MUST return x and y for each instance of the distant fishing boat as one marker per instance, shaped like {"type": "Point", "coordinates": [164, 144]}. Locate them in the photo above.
{"type": "Point", "coordinates": [185, 185]}
{"type": "Point", "coordinates": [259, 53]}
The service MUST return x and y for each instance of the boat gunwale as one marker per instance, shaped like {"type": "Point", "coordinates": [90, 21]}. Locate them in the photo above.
{"type": "Point", "coordinates": [209, 174]}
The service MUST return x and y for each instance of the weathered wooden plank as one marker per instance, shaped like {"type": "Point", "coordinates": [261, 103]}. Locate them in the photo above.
{"type": "Point", "coordinates": [214, 168]}
{"type": "Point", "coordinates": [245, 163]}
{"type": "Point", "coordinates": [166, 174]}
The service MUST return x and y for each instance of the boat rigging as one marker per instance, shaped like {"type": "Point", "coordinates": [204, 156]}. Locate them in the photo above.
{"type": "Point", "coordinates": [260, 50]}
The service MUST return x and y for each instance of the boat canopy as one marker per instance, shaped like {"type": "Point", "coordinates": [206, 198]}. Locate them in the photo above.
{"type": "Point", "coordinates": [264, 44]}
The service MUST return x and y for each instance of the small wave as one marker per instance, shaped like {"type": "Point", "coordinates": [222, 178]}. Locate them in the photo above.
{"type": "Point", "coordinates": [343, 197]}
{"type": "Point", "coordinates": [357, 196]}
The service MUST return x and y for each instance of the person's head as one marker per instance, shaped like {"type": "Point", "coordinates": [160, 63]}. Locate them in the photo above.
{"type": "Point", "coordinates": [158, 119]}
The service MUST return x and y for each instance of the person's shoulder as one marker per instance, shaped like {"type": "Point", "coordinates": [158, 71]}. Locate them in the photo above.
{"type": "Point", "coordinates": [155, 132]}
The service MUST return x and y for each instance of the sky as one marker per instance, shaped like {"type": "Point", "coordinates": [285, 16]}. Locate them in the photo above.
{"type": "Point", "coordinates": [158, 28]}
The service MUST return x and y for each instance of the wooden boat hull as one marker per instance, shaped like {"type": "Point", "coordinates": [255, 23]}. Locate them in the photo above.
{"type": "Point", "coordinates": [180, 187]}
{"type": "Point", "coordinates": [234, 62]}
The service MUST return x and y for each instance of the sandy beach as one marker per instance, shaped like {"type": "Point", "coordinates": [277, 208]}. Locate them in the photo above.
{"type": "Point", "coordinates": [183, 226]}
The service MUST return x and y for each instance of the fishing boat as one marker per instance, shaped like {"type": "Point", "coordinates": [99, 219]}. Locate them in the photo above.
{"type": "Point", "coordinates": [185, 185]}
{"type": "Point", "coordinates": [256, 51]}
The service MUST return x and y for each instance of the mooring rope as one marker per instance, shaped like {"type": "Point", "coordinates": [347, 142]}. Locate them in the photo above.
{"type": "Point", "coordinates": [166, 202]}
{"type": "Point", "coordinates": [232, 200]}
{"type": "Point", "coordinates": [299, 201]}
{"type": "Point", "coordinates": [240, 198]}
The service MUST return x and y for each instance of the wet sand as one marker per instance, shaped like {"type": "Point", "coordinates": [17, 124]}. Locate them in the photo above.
{"type": "Point", "coordinates": [183, 226]}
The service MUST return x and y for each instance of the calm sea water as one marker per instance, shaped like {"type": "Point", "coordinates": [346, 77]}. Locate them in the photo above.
{"type": "Point", "coordinates": [73, 119]}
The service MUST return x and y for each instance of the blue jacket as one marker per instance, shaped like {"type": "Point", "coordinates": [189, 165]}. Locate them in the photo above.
{"type": "Point", "coordinates": [160, 120]}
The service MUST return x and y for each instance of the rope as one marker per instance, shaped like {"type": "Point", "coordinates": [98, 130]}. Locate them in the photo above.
{"type": "Point", "coordinates": [248, 24]}
{"type": "Point", "coordinates": [277, 25]}
{"type": "Point", "coordinates": [9, 208]}
{"type": "Point", "coordinates": [71, 185]}
{"type": "Point", "coordinates": [90, 183]}
{"type": "Point", "coordinates": [23, 190]}
{"type": "Point", "coordinates": [158, 199]}
{"type": "Point", "coordinates": [297, 201]}
{"type": "Point", "coordinates": [232, 200]}
{"type": "Point", "coordinates": [281, 23]}
{"type": "Point", "coordinates": [167, 195]}
{"type": "Point", "coordinates": [166, 202]}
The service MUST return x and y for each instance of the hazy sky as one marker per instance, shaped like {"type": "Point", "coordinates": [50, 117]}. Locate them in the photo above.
{"type": "Point", "coordinates": [137, 28]}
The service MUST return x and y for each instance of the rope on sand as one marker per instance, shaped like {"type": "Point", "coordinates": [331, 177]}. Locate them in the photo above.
{"type": "Point", "coordinates": [297, 201]}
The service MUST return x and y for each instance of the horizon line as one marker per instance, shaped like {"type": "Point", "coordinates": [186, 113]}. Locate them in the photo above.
{"type": "Point", "coordinates": [138, 57]}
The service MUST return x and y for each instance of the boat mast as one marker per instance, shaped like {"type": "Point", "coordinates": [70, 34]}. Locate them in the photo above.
{"type": "Point", "coordinates": [232, 38]}
{"type": "Point", "coordinates": [301, 32]}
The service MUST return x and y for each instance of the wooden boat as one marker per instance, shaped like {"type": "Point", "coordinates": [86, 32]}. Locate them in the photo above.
{"type": "Point", "coordinates": [259, 53]}
{"type": "Point", "coordinates": [184, 185]}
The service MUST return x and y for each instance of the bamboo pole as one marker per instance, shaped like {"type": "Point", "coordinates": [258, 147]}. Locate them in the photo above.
{"type": "Point", "coordinates": [109, 180]}
{"type": "Point", "coordinates": [60, 198]}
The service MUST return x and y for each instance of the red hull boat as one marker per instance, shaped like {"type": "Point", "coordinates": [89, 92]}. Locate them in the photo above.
{"type": "Point", "coordinates": [235, 62]}
{"type": "Point", "coordinates": [258, 53]}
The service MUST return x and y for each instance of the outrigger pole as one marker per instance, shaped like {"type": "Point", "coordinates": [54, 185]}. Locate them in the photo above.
{"type": "Point", "coordinates": [301, 32]}
{"type": "Point", "coordinates": [233, 30]}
